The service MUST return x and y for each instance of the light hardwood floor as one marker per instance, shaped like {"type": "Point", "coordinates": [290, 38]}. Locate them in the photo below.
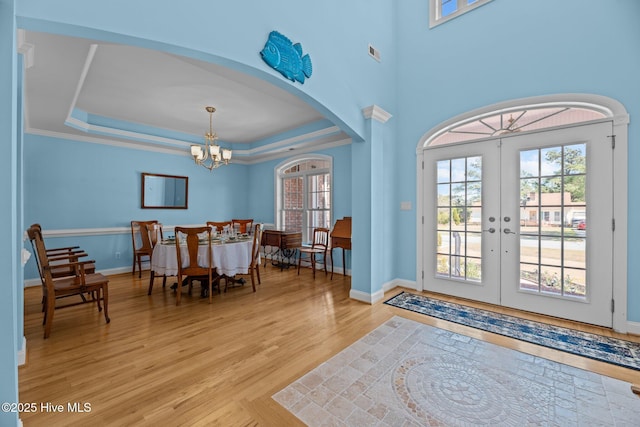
{"type": "Point", "coordinates": [210, 364]}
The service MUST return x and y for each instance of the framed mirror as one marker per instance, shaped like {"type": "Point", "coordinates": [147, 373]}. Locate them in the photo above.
{"type": "Point", "coordinates": [164, 191]}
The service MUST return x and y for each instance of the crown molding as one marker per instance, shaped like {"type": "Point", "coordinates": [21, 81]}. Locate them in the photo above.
{"type": "Point", "coordinates": [319, 140]}
{"type": "Point", "coordinates": [25, 49]}
{"type": "Point", "coordinates": [377, 113]}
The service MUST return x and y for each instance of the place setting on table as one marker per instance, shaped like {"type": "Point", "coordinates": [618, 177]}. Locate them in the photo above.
{"type": "Point", "coordinates": [231, 254]}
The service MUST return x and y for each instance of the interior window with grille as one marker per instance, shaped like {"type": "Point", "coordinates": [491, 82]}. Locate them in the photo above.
{"type": "Point", "coordinates": [443, 10]}
{"type": "Point", "coordinates": [304, 195]}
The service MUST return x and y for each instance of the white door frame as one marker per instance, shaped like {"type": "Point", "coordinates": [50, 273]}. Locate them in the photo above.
{"type": "Point", "coordinates": [615, 111]}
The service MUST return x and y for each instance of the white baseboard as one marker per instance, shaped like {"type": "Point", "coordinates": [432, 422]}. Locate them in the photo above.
{"type": "Point", "coordinates": [22, 353]}
{"type": "Point", "coordinates": [32, 282]}
{"type": "Point", "coordinates": [399, 283]}
{"type": "Point", "coordinates": [365, 297]}
{"type": "Point", "coordinates": [379, 295]}
{"type": "Point", "coordinates": [120, 270]}
{"type": "Point", "coordinates": [633, 327]}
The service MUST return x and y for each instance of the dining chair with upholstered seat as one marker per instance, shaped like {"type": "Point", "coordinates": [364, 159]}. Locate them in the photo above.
{"type": "Point", "coordinates": [219, 225]}
{"type": "Point", "coordinates": [144, 236]}
{"type": "Point", "coordinates": [189, 266]}
{"type": "Point", "coordinates": [319, 246]}
{"type": "Point", "coordinates": [78, 284]}
{"type": "Point", "coordinates": [243, 225]}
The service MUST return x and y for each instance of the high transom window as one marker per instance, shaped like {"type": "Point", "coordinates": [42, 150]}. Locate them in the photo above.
{"type": "Point", "coordinates": [513, 121]}
{"type": "Point", "coordinates": [443, 10]}
{"type": "Point", "coordinates": [303, 196]}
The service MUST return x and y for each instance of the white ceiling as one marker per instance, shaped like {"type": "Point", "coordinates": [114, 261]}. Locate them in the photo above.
{"type": "Point", "coordinates": [164, 93]}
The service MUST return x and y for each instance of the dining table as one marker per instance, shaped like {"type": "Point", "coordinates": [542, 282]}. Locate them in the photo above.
{"type": "Point", "coordinates": [229, 257]}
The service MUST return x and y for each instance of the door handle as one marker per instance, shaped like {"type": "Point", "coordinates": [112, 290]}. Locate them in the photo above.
{"type": "Point", "coordinates": [491, 230]}
{"type": "Point", "coordinates": [508, 231]}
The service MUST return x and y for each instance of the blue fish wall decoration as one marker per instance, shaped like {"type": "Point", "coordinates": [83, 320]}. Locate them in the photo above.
{"type": "Point", "coordinates": [285, 57]}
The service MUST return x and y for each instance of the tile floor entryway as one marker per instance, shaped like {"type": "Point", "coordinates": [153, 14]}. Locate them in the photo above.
{"type": "Point", "coordinates": [406, 373]}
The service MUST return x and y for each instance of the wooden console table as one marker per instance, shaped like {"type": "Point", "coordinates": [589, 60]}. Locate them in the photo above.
{"type": "Point", "coordinates": [286, 244]}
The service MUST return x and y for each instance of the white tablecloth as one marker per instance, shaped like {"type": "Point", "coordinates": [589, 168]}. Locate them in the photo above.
{"type": "Point", "coordinates": [228, 258]}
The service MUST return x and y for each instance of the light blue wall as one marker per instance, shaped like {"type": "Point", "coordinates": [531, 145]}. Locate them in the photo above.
{"type": "Point", "coordinates": [515, 49]}
{"type": "Point", "coordinates": [503, 50]}
{"type": "Point", "coordinates": [337, 91]}
{"type": "Point", "coordinates": [225, 32]}
{"type": "Point", "coordinates": [10, 305]}
{"type": "Point", "coordinates": [62, 192]}
{"type": "Point", "coordinates": [71, 185]}
{"type": "Point", "coordinates": [261, 188]}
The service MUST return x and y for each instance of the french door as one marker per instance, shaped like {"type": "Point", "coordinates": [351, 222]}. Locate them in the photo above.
{"type": "Point", "coordinates": [524, 221]}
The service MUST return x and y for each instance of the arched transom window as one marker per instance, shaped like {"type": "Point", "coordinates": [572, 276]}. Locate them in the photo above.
{"type": "Point", "coordinates": [303, 196]}
{"type": "Point", "coordinates": [519, 119]}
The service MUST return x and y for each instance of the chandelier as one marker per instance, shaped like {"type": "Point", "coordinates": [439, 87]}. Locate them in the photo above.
{"type": "Point", "coordinates": [210, 156]}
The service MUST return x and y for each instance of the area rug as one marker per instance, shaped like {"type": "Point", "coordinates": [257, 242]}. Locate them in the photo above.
{"type": "Point", "coordinates": [598, 347]}
{"type": "Point", "coordinates": [405, 373]}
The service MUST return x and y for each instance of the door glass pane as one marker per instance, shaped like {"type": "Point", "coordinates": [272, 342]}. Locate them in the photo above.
{"type": "Point", "coordinates": [550, 280]}
{"type": "Point", "coordinates": [458, 228]}
{"type": "Point", "coordinates": [553, 221]}
{"type": "Point", "coordinates": [444, 172]}
{"type": "Point", "coordinates": [443, 194]}
{"type": "Point", "coordinates": [574, 282]}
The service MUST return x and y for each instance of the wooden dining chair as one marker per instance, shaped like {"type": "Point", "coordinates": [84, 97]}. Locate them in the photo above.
{"type": "Point", "coordinates": [144, 236]}
{"type": "Point", "coordinates": [244, 225]}
{"type": "Point", "coordinates": [58, 262]}
{"type": "Point", "coordinates": [72, 251]}
{"type": "Point", "coordinates": [219, 225]}
{"type": "Point", "coordinates": [78, 284]}
{"type": "Point", "coordinates": [194, 270]}
{"type": "Point", "coordinates": [319, 246]}
{"type": "Point", "coordinates": [254, 267]}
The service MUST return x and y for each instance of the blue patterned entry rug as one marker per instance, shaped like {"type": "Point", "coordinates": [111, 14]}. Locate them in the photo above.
{"type": "Point", "coordinates": [605, 349]}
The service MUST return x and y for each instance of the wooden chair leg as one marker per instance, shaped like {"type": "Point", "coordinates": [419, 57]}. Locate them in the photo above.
{"type": "Point", "coordinates": [44, 309]}
{"type": "Point", "coordinates": [133, 269]}
{"type": "Point", "coordinates": [98, 301]}
{"type": "Point", "coordinates": [313, 264]}
{"type": "Point", "coordinates": [299, 261]}
{"type": "Point", "coordinates": [253, 281]}
{"type": "Point", "coordinates": [139, 267]}
{"type": "Point", "coordinates": [178, 290]}
{"type": "Point", "coordinates": [51, 305]}
{"type": "Point", "coordinates": [151, 278]}
{"type": "Point", "coordinates": [258, 274]}
{"type": "Point", "coordinates": [324, 260]}
{"type": "Point", "coordinates": [105, 300]}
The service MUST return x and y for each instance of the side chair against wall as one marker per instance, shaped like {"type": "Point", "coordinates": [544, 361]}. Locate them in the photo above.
{"type": "Point", "coordinates": [58, 261]}
{"type": "Point", "coordinates": [319, 246]}
{"type": "Point", "coordinates": [219, 225]}
{"type": "Point", "coordinates": [144, 236]}
{"type": "Point", "coordinates": [243, 225]}
{"type": "Point", "coordinates": [78, 284]}
{"type": "Point", "coordinates": [192, 270]}
{"type": "Point", "coordinates": [74, 251]}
